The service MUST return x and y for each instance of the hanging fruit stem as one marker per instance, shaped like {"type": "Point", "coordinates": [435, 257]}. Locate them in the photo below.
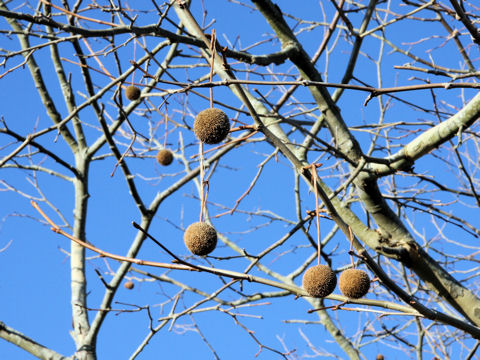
{"type": "Point", "coordinates": [317, 210]}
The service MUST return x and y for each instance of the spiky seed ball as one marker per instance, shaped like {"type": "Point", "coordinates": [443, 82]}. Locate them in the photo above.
{"type": "Point", "coordinates": [354, 283]}
{"type": "Point", "coordinates": [319, 281]}
{"type": "Point", "coordinates": [200, 238]}
{"type": "Point", "coordinates": [129, 285]}
{"type": "Point", "coordinates": [211, 126]}
{"type": "Point", "coordinates": [164, 157]}
{"type": "Point", "coordinates": [132, 93]}
{"type": "Point", "coordinates": [380, 357]}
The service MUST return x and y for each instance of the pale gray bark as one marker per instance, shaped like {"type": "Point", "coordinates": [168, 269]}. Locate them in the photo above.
{"type": "Point", "coordinates": [29, 345]}
{"type": "Point", "coordinates": [395, 233]}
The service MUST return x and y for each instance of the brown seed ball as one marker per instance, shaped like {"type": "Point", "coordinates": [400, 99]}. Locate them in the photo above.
{"type": "Point", "coordinates": [211, 126]}
{"type": "Point", "coordinates": [200, 238]}
{"type": "Point", "coordinates": [380, 357]}
{"type": "Point", "coordinates": [319, 281]}
{"type": "Point", "coordinates": [129, 285]}
{"type": "Point", "coordinates": [354, 283]}
{"type": "Point", "coordinates": [164, 157]}
{"type": "Point", "coordinates": [132, 93]}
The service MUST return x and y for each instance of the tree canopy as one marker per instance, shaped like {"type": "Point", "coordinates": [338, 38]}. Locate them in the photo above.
{"type": "Point", "coordinates": [232, 179]}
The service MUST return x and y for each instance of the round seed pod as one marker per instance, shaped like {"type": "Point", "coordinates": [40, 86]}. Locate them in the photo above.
{"type": "Point", "coordinates": [132, 93]}
{"type": "Point", "coordinates": [380, 357]}
{"type": "Point", "coordinates": [354, 283]}
{"type": "Point", "coordinates": [211, 126]}
{"type": "Point", "coordinates": [164, 157]}
{"type": "Point", "coordinates": [129, 285]}
{"type": "Point", "coordinates": [319, 281]}
{"type": "Point", "coordinates": [200, 238]}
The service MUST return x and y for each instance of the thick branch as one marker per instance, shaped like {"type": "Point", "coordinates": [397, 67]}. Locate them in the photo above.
{"type": "Point", "coordinates": [466, 21]}
{"type": "Point", "coordinates": [392, 228]}
{"type": "Point", "coordinates": [77, 259]}
{"type": "Point", "coordinates": [431, 139]}
{"type": "Point", "coordinates": [29, 345]}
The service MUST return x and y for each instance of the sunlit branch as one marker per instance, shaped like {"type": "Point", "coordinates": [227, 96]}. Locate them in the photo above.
{"type": "Point", "coordinates": [15, 337]}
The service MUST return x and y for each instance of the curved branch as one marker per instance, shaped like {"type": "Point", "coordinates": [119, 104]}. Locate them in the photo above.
{"type": "Point", "coordinates": [24, 342]}
{"type": "Point", "coordinates": [431, 139]}
{"type": "Point", "coordinates": [289, 286]}
{"type": "Point", "coordinates": [149, 30]}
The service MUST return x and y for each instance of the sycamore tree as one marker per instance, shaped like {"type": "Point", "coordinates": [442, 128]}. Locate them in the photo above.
{"type": "Point", "coordinates": [170, 171]}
